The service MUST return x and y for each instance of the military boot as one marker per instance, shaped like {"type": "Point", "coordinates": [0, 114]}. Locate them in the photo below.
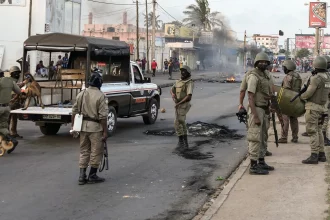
{"type": "Point", "coordinates": [268, 153]}
{"type": "Point", "coordinates": [294, 140]}
{"type": "Point", "coordinates": [82, 176]}
{"type": "Point", "coordinates": [93, 178]}
{"type": "Point", "coordinates": [305, 134]}
{"type": "Point", "coordinates": [15, 142]}
{"type": "Point", "coordinates": [265, 166]}
{"type": "Point", "coordinates": [255, 169]}
{"type": "Point", "coordinates": [283, 141]}
{"type": "Point", "coordinates": [185, 141]}
{"type": "Point", "coordinates": [322, 157]}
{"type": "Point", "coordinates": [326, 140]}
{"type": "Point", "coordinates": [313, 159]}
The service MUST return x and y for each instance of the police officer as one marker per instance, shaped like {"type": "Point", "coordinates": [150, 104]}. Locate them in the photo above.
{"type": "Point", "coordinates": [259, 86]}
{"type": "Point", "coordinates": [243, 89]}
{"type": "Point", "coordinates": [316, 97]}
{"type": "Point", "coordinates": [291, 81]}
{"type": "Point", "coordinates": [7, 86]}
{"type": "Point", "coordinates": [15, 73]}
{"type": "Point", "coordinates": [93, 105]}
{"type": "Point", "coordinates": [181, 93]}
{"type": "Point", "coordinates": [327, 113]}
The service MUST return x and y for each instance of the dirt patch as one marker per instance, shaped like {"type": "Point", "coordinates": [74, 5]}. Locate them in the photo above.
{"type": "Point", "coordinates": [215, 133]}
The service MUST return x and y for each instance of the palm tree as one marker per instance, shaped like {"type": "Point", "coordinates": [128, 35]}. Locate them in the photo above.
{"type": "Point", "coordinates": [150, 16]}
{"type": "Point", "coordinates": [200, 15]}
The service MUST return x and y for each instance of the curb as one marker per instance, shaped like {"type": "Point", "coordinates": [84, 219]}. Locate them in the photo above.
{"type": "Point", "coordinates": [222, 197]}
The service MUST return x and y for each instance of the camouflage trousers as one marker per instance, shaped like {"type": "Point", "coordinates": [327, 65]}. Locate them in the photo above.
{"type": "Point", "coordinates": [180, 119]}
{"type": "Point", "coordinates": [13, 119]}
{"type": "Point", "coordinates": [293, 124]}
{"type": "Point", "coordinates": [325, 126]}
{"type": "Point", "coordinates": [314, 130]}
{"type": "Point", "coordinates": [4, 117]}
{"type": "Point", "coordinates": [91, 149]}
{"type": "Point", "coordinates": [263, 149]}
{"type": "Point", "coordinates": [257, 136]}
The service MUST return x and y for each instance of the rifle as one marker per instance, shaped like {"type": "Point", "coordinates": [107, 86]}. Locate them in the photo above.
{"type": "Point", "coordinates": [104, 162]}
{"type": "Point", "coordinates": [242, 115]}
{"type": "Point", "coordinates": [275, 105]}
{"type": "Point", "coordinates": [275, 131]}
{"type": "Point", "coordinates": [304, 89]}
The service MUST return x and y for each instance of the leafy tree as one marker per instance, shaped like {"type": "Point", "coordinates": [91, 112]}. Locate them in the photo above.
{"type": "Point", "coordinates": [200, 15]}
{"type": "Point", "coordinates": [282, 51]}
{"type": "Point", "coordinates": [150, 16]}
{"type": "Point", "coordinates": [303, 53]}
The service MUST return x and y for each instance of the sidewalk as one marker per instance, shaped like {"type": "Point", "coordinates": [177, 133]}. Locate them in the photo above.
{"type": "Point", "coordinates": [162, 79]}
{"type": "Point", "coordinates": [293, 191]}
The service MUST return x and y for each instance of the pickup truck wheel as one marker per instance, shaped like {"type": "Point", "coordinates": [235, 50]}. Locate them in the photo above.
{"type": "Point", "coordinates": [152, 115]}
{"type": "Point", "coordinates": [50, 128]}
{"type": "Point", "coordinates": [112, 120]}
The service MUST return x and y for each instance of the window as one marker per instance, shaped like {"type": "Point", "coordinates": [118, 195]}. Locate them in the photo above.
{"type": "Point", "coordinates": [142, 38]}
{"type": "Point", "coordinates": [263, 38]}
{"type": "Point", "coordinates": [110, 29]}
{"type": "Point", "coordinates": [115, 38]}
{"type": "Point", "coordinates": [266, 43]}
{"type": "Point", "coordinates": [267, 39]}
{"type": "Point", "coordinates": [258, 38]}
{"type": "Point", "coordinates": [137, 75]}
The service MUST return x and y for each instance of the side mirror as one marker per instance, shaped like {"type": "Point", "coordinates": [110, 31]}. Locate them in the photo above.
{"type": "Point", "coordinates": [147, 79]}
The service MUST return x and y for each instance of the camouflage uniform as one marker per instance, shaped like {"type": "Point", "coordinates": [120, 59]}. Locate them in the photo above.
{"type": "Point", "coordinates": [316, 97]}
{"type": "Point", "coordinates": [291, 81]}
{"type": "Point", "coordinates": [181, 89]}
{"type": "Point", "coordinates": [94, 108]}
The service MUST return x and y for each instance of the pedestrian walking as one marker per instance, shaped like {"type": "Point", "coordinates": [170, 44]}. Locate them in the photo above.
{"type": "Point", "coordinates": [93, 105]}
{"type": "Point", "coordinates": [143, 63]}
{"type": "Point", "coordinates": [291, 81]}
{"type": "Point", "coordinates": [316, 97]}
{"type": "Point", "coordinates": [198, 63]}
{"type": "Point", "coordinates": [181, 93]}
{"type": "Point", "coordinates": [259, 90]}
{"type": "Point", "coordinates": [153, 67]}
{"type": "Point", "coordinates": [7, 86]}
{"type": "Point", "coordinates": [165, 66]}
{"type": "Point", "coordinates": [170, 68]}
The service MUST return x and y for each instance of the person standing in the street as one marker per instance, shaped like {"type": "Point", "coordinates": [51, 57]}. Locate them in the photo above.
{"type": "Point", "coordinates": [316, 97]}
{"type": "Point", "coordinates": [291, 81]}
{"type": "Point", "coordinates": [259, 87]}
{"type": "Point", "coordinates": [243, 89]}
{"type": "Point", "coordinates": [153, 67]}
{"type": "Point", "coordinates": [15, 73]}
{"type": "Point", "coordinates": [93, 105]}
{"type": "Point", "coordinates": [143, 64]}
{"type": "Point", "coordinates": [181, 93]}
{"type": "Point", "coordinates": [165, 66]}
{"type": "Point", "coordinates": [7, 86]}
{"type": "Point", "coordinates": [325, 126]}
{"type": "Point", "coordinates": [170, 68]}
{"type": "Point", "coordinates": [198, 63]}
{"type": "Point", "coordinates": [65, 61]}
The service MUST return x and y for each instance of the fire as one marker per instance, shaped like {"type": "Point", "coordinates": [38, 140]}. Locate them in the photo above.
{"type": "Point", "coordinates": [231, 79]}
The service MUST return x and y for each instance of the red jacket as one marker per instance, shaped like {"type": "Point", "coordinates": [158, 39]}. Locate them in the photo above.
{"type": "Point", "coordinates": [153, 65]}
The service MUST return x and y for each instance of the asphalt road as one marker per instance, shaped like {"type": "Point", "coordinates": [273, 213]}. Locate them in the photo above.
{"type": "Point", "coordinates": [145, 180]}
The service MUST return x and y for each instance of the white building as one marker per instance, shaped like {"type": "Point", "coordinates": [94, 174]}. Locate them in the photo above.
{"type": "Point", "coordinates": [268, 41]}
{"type": "Point", "coordinates": [46, 16]}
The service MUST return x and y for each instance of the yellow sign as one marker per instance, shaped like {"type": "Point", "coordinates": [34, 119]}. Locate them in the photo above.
{"type": "Point", "coordinates": [171, 30]}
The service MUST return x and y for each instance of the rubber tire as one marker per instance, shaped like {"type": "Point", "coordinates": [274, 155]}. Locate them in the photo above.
{"type": "Point", "coordinates": [112, 110]}
{"type": "Point", "coordinates": [50, 128]}
{"type": "Point", "coordinates": [147, 119]}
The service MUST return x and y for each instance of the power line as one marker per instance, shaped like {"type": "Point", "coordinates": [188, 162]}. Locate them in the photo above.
{"type": "Point", "coordinates": [110, 3]}
{"type": "Point", "coordinates": [108, 15]}
{"type": "Point", "coordinates": [167, 12]}
{"type": "Point", "coordinates": [109, 12]}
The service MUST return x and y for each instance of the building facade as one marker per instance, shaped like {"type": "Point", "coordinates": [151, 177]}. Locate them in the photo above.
{"type": "Point", "coordinates": [268, 41]}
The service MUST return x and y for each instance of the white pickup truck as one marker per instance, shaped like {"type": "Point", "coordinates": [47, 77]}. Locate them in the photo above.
{"type": "Point", "coordinates": [134, 96]}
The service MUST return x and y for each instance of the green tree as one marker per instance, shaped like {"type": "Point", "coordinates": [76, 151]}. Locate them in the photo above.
{"type": "Point", "coordinates": [282, 51]}
{"type": "Point", "coordinates": [150, 16]}
{"type": "Point", "coordinates": [200, 15]}
{"type": "Point", "coordinates": [303, 53]}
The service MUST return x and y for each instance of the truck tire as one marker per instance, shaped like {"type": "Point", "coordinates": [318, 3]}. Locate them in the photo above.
{"type": "Point", "coordinates": [152, 115]}
{"type": "Point", "coordinates": [50, 128]}
{"type": "Point", "coordinates": [112, 121]}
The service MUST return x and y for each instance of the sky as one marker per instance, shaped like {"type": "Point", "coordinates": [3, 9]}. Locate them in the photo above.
{"type": "Point", "coordinates": [254, 16]}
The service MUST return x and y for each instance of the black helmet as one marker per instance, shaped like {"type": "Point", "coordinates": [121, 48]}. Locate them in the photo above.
{"type": "Point", "coordinates": [95, 80]}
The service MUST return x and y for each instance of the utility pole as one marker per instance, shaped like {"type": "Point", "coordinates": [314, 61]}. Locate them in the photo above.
{"type": "Point", "coordinates": [287, 48]}
{"type": "Point", "coordinates": [30, 18]}
{"type": "Point", "coordinates": [244, 54]}
{"type": "Point", "coordinates": [317, 42]}
{"type": "Point", "coordinates": [153, 29]}
{"type": "Point", "coordinates": [137, 29]}
{"type": "Point", "coordinates": [147, 22]}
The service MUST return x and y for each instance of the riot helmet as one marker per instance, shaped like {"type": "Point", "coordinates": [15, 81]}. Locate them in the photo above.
{"type": "Point", "coordinates": [185, 72]}
{"type": "Point", "coordinates": [262, 56]}
{"type": "Point", "coordinates": [320, 63]}
{"type": "Point", "coordinates": [96, 79]}
{"type": "Point", "coordinates": [15, 72]}
{"type": "Point", "coordinates": [288, 66]}
{"type": "Point", "coordinates": [328, 61]}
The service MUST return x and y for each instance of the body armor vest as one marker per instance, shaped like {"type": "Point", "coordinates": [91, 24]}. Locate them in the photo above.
{"type": "Point", "coordinates": [181, 89]}
{"type": "Point", "coordinates": [296, 81]}
{"type": "Point", "coordinates": [263, 89]}
{"type": "Point", "coordinates": [321, 94]}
